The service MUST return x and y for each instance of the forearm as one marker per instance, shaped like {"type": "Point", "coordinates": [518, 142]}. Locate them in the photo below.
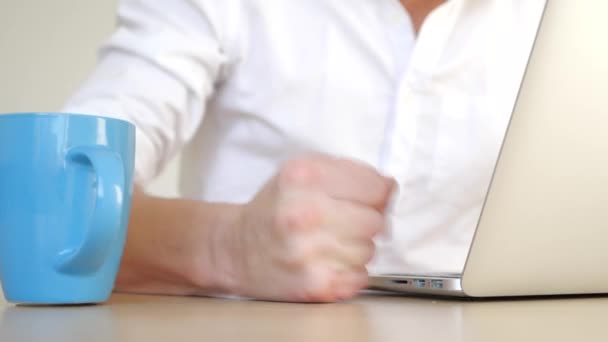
{"type": "Point", "coordinates": [177, 246]}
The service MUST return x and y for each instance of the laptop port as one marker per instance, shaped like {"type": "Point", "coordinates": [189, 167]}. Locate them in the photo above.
{"type": "Point", "coordinates": [419, 283]}
{"type": "Point", "coordinates": [401, 281]}
{"type": "Point", "coordinates": [437, 284]}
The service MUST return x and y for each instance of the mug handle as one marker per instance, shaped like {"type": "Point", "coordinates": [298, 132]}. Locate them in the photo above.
{"type": "Point", "coordinates": [107, 215]}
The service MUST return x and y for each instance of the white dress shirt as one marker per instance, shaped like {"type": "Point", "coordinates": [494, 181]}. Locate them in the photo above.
{"type": "Point", "coordinates": [241, 85]}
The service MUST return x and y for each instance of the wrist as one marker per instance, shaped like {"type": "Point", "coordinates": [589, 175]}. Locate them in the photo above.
{"type": "Point", "coordinates": [179, 247]}
{"type": "Point", "coordinates": [213, 266]}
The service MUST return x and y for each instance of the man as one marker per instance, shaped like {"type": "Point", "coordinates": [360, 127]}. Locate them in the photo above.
{"type": "Point", "coordinates": [299, 121]}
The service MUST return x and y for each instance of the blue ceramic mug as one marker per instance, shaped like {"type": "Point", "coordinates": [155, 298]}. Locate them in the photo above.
{"type": "Point", "coordinates": [65, 196]}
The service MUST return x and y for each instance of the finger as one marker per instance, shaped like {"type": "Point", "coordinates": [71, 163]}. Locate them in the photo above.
{"type": "Point", "coordinates": [352, 221]}
{"type": "Point", "coordinates": [324, 284]}
{"type": "Point", "coordinates": [355, 255]}
{"type": "Point", "coordinates": [353, 181]}
{"type": "Point", "coordinates": [346, 255]}
{"type": "Point", "coordinates": [348, 284]}
{"type": "Point", "coordinates": [340, 179]}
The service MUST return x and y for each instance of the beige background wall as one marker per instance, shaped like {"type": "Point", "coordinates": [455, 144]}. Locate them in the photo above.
{"type": "Point", "coordinates": [47, 48]}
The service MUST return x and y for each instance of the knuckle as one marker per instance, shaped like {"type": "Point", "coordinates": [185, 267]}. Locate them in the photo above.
{"type": "Point", "coordinates": [353, 288]}
{"type": "Point", "coordinates": [298, 171]}
{"type": "Point", "coordinates": [362, 280]}
{"type": "Point", "coordinates": [369, 251]}
{"type": "Point", "coordinates": [302, 252]}
{"type": "Point", "coordinates": [377, 223]}
{"type": "Point", "coordinates": [372, 224]}
{"type": "Point", "coordinates": [287, 218]}
{"type": "Point", "coordinates": [364, 254]}
{"type": "Point", "coordinates": [355, 164]}
{"type": "Point", "coordinates": [380, 187]}
{"type": "Point", "coordinates": [380, 192]}
{"type": "Point", "coordinates": [297, 217]}
{"type": "Point", "coordinates": [327, 286]}
{"type": "Point", "coordinates": [299, 254]}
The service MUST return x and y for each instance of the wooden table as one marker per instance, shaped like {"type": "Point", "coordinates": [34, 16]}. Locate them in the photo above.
{"type": "Point", "coordinates": [367, 318]}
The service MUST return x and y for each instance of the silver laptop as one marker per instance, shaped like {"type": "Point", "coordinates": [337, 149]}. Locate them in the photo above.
{"type": "Point", "coordinates": [543, 229]}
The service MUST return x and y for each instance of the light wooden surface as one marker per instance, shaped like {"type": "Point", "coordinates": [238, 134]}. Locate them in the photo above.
{"type": "Point", "coordinates": [368, 318]}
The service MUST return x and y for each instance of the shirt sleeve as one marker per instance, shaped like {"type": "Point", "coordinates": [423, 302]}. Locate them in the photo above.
{"type": "Point", "coordinates": [157, 71]}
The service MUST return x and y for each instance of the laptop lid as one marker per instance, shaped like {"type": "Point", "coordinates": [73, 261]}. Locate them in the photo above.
{"type": "Point", "coordinates": [544, 226]}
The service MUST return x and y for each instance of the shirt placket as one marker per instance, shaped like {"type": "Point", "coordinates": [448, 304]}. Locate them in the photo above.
{"type": "Point", "coordinates": [411, 143]}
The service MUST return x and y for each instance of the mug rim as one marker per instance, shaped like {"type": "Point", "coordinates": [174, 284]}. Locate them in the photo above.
{"type": "Point", "coordinates": [62, 114]}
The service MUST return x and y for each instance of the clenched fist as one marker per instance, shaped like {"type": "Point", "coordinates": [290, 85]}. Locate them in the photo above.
{"type": "Point", "coordinates": [308, 234]}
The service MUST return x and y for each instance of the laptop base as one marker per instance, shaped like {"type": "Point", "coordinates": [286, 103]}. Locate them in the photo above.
{"type": "Point", "coordinates": [425, 284]}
